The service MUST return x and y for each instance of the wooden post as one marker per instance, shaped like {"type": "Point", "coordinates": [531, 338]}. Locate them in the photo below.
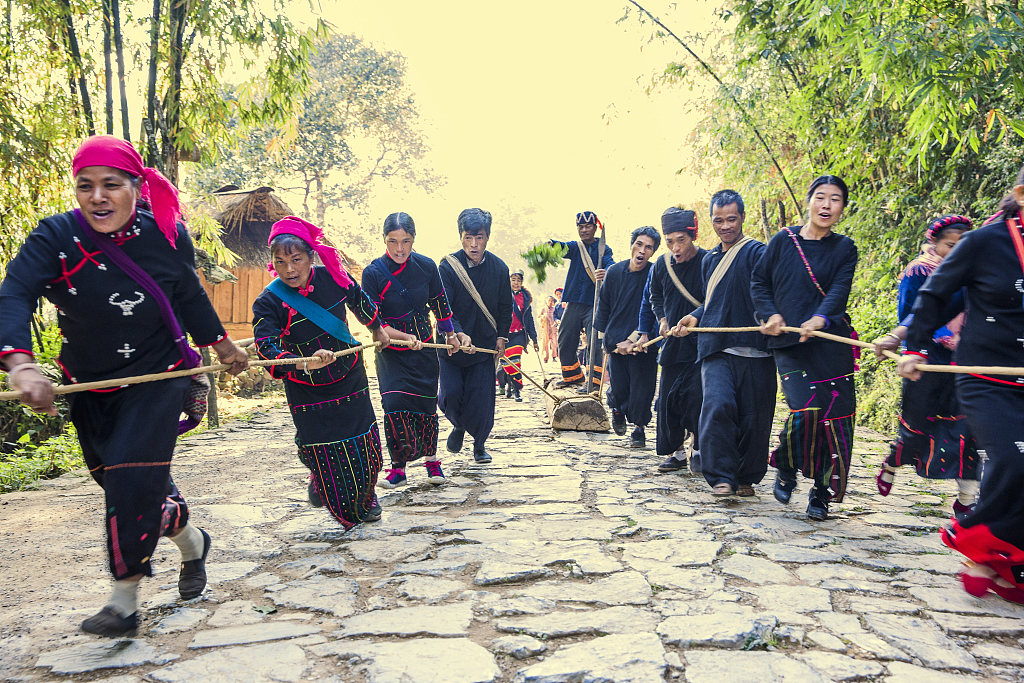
{"type": "Point", "coordinates": [212, 418]}
{"type": "Point", "coordinates": [782, 214]}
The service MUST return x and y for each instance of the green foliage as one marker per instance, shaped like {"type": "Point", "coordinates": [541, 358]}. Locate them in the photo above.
{"type": "Point", "coordinates": [542, 255]}
{"type": "Point", "coordinates": [29, 463]}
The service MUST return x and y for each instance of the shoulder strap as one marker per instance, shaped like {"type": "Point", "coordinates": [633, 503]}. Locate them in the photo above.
{"type": "Point", "coordinates": [315, 313]}
{"type": "Point", "coordinates": [125, 263]}
{"type": "Point", "coordinates": [807, 265]}
{"type": "Point", "coordinates": [588, 263]}
{"type": "Point", "coordinates": [471, 288]}
{"type": "Point", "coordinates": [723, 267]}
{"type": "Point", "coordinates": [677, 282]}
{"type": "Point", "coordinates": [1018, 242]}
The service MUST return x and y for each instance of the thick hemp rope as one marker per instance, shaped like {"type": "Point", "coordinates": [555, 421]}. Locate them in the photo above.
{"type": "Point", "coordinates": [208, 369]}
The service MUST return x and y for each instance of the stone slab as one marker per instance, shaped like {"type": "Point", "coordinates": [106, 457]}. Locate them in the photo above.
{"type": "Point", "coordinates": [390, 550]}
{"type": "Point", "coordinates": [956, 600]}
{"type": "Point", "coordinates": [235, 613]}
{"type": "Point", "coordinates": [781, 552]}
{"type": "Point", "coordinates": [1001, 654]}
{"type": "Point", "coordinates": [181, 619]}
{"type": "Point", "coordinates": [428, 589]}
{"type": "Point", "coordinates": [496, 573]}
{"type": "Point", "coordinates": [251, 633]}
{"type": "Point", "coordinates": [105, 654]}
{"type": "Point", "coordinates": [647, 555]}
{"type": "Point", "coordinates": [423, 660]}
{"type": "Point", "coordinates": [272, 663]}
{"type": "Point", "coordinates": [623, 588]}
{"type": "Point", "coordinates": [837, 667]}
{"type": "Point", "coordinates": [443, 621]}
{"type": "Point", "coordinates": [618, 658]}
{"type": "Point", "coordinates": [727, 631]}
{"type": "Point", "coordinates": [430, 568]}
{"type": "Point", "coordinates": [320, 593]}
{"type": "Point", "coordinates": [511, 607]}
{"type": "Point", "coordinates": [520, 647]}
{"type": "Point", "coordinates": [876, 647]}
{"type": "Point", "coordinates": [922, 639]}
{"type": "Point", "coordinates": [692, 580]}
{"type": "Point", "coordinates": [756, 570]}
{"type": "Point", "coordinates": [617, 620]}
{"type": "Point", "coordinates": [979, 627]}
{"type": "Point", "coordinates": [747, 667]}
{"type": "Point", "coordinates": [907, 673]}
{"type": "Point", "coordinates": [792, 598]}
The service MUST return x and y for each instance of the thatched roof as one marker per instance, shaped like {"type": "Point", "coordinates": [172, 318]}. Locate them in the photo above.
{"type": "Point", "coordinates": [247, 217]}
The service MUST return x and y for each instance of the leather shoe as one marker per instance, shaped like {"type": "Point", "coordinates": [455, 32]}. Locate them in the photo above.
{"type": "Point", "coordinates": [671, 464]}
{"type": "Point", "coordinates": [783, 489]}
{"type": "Point", "coordinates": [454, 442]}
{"type": "Point", "coordinates": [817, 508]}
{"type": "Point", "coordinates": [313, 494]}
{"type": "Point", "coordinates": [111, 624]}
{"type": "Point", "coordinates": [481, 456]}
{"type": "Point", "coordinates": [192, 578]}
{"type": "Point", "coordinates": [618, 423]}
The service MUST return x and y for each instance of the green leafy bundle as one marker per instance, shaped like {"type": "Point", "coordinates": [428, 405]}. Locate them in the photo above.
{"type": "Point", "coordinates": [542, 255]}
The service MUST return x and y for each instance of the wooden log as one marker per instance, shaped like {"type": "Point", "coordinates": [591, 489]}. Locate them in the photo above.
{"type": "Point", "coordinates": [576, 412]}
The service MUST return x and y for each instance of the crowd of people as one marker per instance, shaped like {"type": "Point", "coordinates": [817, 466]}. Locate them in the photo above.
{"type": "Point", "coordinates": [725, 326]}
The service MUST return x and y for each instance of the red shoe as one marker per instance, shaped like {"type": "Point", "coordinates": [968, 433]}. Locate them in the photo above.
{"type": "Point", "coordinates": [884, 487]}
{"type": "Point", "coordinates": [979, 586]}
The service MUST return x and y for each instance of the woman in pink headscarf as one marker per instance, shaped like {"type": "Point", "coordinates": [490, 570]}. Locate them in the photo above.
{"type": "Point", "coordinates": [113, 327]}
{"type": "Point", "coordinates": [301, 314]}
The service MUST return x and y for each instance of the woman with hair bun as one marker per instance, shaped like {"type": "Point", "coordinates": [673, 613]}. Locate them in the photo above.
{"type": "Point", "coordinates": [804, 278]}
{"type": "Point", "coordinates": [407, 288]}
{"type": "Point", "coordinates": [934, 436]}
{"type": "Point", "coordinates": [301, 314]}
{"type": "Point", "coordinates": [989, 263]}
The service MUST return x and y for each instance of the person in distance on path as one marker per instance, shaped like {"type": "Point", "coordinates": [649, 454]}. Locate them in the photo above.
{"type": "Point", "coordinates": [548, 329]}
{"type": "Point", "coordinates": [737, 372]}
{"type": "Point", "coordinates": [634, 372]}
{"type": "Point", "coordinates": [407, 288]}
{"type": "Point", "coordinates": [112, 330]}
{"type": "Point", "coordinates": [679, 394]}
{"type": "Point", "coordinates": [520, 334]}
{"type": "Point", "coordinates": [301, 315]}
{"type": "Point", "coordinates": [578, 297]}
{"type": "Point", "coordinates": [804, 278]}
{"type": "Point", "coordinates": [467, 379]}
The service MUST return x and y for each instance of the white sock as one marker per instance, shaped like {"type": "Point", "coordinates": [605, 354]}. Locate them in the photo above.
{"type": "Point", "coordinates": [431, 458]}
{"type": "Point", "coordinates": [125, 598]}
{"type": "Point", "coordinates": [967, 491]}
{"type": "Point", "coordinates": [190, 542]}
{"type": "Point", "coordinates": [680, 455]}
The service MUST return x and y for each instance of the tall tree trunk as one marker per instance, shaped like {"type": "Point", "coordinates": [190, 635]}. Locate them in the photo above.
{"type": "Point", "coordinates": [9, 36]}
{"type": "Point", "coordinates": [178, 11]}
{"type": "Point", "coordinates": [79, 70]}
{"type": "Point", "coordinates": [108, 71]}
{"type": "Point", "coordinates": [115, 14]}
{"type": "Point", "coordinates": [321, 207]}
{"type": "Point", "coordinates": [149, 125]}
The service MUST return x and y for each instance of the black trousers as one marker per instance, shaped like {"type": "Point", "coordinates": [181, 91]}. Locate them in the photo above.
{"type": "Point", "coordinates": [679, 400]}
{"type": "Point", "coordinates": [466, 398]}
{"type": "Point", "coordinates": [128, 439]}
{"type": "Point", "coordinates": [736, 418]}
{"type": "Point", "coordinates": [633, 379]}
{"type": "Point", "coordinates": [577, 318]}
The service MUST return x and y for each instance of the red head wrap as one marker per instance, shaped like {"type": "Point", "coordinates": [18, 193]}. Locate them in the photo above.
{"type": "Point", "coordinates": [313, 235]}
{"type": "Point", "coordinates": [106, 150]}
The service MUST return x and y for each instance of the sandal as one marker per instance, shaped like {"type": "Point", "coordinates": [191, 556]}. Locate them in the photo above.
{"type": "Point", "coordinates": [745, 490]}
{"type": "Point", "coordinates": [723, 490]}
{"type": "Point", "coordinates": [885, 487]}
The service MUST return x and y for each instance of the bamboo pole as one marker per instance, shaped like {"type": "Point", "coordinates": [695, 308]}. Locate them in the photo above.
{"type": "Point", "coordinates": [519, 369]}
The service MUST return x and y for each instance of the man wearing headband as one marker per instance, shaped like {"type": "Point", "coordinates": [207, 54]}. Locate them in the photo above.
{"type": "Point", "coordinates": [584, 271]}
{"type": "Point", "coordinates": [480, 295]}
{"type": "Point", "coordinates": [737, 372]}
{"type": "Point", "coordinates": [679, 395]}
{"type": "Point", "coordinates": [114, 327]}
{"type": "Point", "coordinates": [520, 333]}
{"type": "Point", "coordinates": [634, 372]}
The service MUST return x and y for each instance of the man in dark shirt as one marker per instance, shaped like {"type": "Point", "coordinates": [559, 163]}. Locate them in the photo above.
{"type": "Point", "coordinates": [634, 373]}
{"type": "Point", "coordinates": [737, 372]}
{"type": "Point", "coordinates": [674, 294]}
{"type": "Point", "coordinates": [585, 269]}
{"type": "Point", "coordinates": [466, 393]}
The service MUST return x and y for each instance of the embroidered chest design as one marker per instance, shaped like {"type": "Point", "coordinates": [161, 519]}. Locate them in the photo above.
{"type": "Point", "coordinates": [126, 305]}
{"type": "Point", "coordinates": [90, 257]}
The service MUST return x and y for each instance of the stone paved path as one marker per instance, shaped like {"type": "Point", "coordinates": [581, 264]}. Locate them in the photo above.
{"type": "Point", "coordinates": [567, 559]}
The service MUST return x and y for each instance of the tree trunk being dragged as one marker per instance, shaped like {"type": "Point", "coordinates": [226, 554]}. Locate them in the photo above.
{"type": "Point", "coordinates": [576, 412]}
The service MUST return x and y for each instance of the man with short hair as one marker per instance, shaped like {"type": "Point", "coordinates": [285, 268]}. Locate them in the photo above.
{"type": "Point", "coordinates": [520, 333]}
{"type": "Point", "coordinates": [480, 295]}
{"type": "Point", "coordinates": [634, 373]}
{"type": "Point", "coordinates": [585, 269]}
{"type": "Point", "coordinates": [737, 372]}
{"type": "Point", "coordinates": [673, 294]}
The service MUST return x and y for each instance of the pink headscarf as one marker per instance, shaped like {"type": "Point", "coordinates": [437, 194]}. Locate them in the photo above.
{"type": "Point", "coordinates": [313, 235]}
{"type": "Point", "coordinates": [106, 150]}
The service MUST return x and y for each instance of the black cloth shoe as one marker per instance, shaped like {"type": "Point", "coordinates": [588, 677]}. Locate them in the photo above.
{"type": "Point", "coordinates": [454, 443]}
{"type": "Point", "coordinates": [313, 494]}
{"type": "Point", "coordinates": [671, 464]}
{"type": "Point", "coordinates": [817, 508]}
{"type": "Point", "coordinates": [783, 489]}
{"type": "Point", "coordinates": [192, 578]}
{"type": "Point", "coordinates": [562, 384]}
{"type": "Point", "coordinates": [111, 624]}
{"type": "Point", "coordinates": [695, 464]}
{"type": "Point", "coordinates": [519, 399]}
{"type": "Point", "coordinates": [637, 438]}
{"type": "Point", "coordinates": [373, 515]}
{"type": "Point", "coordinates": [618, 423]}
{"type": "Point", "coordinates": [508, 391]}
{"type": "Point", "coordinates": [481, 455]}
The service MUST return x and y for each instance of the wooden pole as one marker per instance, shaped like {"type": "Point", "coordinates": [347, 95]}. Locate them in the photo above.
{"type": "Point", "coordinates": [212, 416]}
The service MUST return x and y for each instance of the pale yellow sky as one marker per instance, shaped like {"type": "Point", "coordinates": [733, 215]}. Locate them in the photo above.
{"type": "Point", "coordinates": [538, 103]}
